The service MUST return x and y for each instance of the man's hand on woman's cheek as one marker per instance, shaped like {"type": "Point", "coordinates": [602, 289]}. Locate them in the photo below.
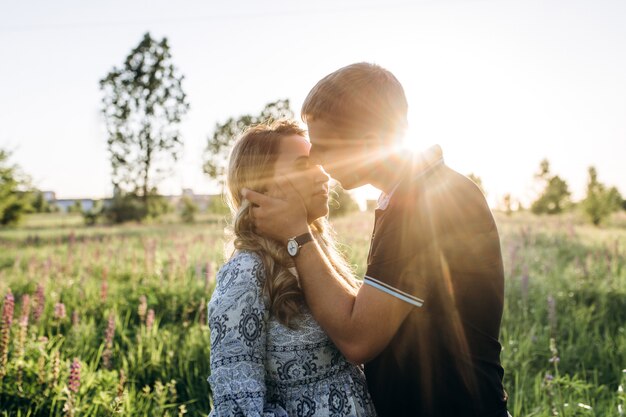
{"type": "Point", "coordinates": [281, 216]}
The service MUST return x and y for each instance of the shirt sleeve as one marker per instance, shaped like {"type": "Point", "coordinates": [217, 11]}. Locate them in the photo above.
{"type": "Point", "coordinates": [398, 263]}
{"type": "Point", "coordinates": [238, 322]}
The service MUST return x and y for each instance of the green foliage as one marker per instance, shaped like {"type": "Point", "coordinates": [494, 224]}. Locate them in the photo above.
{"type": "Point", "coordinates": [555, 195]}
{"type": "Point", "coordinates": [143, 103]}
{"type": "Point", "coordinates": [217, 205]}
{"type": "Point", "coordinates": [14, 196]}
{"type": "Point", "coordinates": [221, 141]}
{"type": "Point", "coordinates": [128, 207]}
{"type": "Point", "coordinates": [91, 216]}
{"type": "Point", "coordinates": [341, 202]}
{"type": "Point", "coordinates": [189, 210]}
{"type": "Point", "coordinates": [125, 207]}
{"type": "Point", "coordinates": [39, 203]}
{"type": "Point", "coordinates": [158, 205]}
{"type": "Point", "coordinates": [77, 207]}
{"type": "Point", "coordinates": [563, 332]}
{"type": "Point", "coordinates": [600, 201]}
{"type": "Point", "coordinates": [159, 360]}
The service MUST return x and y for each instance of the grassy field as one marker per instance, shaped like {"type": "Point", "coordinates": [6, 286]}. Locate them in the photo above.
{"type": "Point", "coordinates": [112, 320]}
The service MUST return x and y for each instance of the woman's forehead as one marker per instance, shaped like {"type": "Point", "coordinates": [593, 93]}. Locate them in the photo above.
{"type": "Point", "coordinates": [292, 147]}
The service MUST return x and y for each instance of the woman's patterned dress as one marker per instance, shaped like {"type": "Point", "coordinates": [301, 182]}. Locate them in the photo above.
{"type": "Point", "coordinates": [261, 368]}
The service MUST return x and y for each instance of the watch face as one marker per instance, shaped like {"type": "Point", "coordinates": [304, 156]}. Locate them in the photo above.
{"type": "Point", "coordinates": [292, 247]}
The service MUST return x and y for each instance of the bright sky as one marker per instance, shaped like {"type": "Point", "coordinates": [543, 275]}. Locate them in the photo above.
{"type": "Point", "coordinates": [498, 84]}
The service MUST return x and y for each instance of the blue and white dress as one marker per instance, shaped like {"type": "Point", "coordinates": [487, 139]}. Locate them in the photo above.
{"type": "Point", "coordinates": [261, 368]}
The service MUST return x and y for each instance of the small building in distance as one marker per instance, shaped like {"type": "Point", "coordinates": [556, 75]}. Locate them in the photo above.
{"type": "Point", "coordinates": [66, 205]}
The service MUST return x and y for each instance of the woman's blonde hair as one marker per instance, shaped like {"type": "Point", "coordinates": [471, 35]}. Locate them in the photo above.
{"type": "Point", "coordinates": [251, 166]}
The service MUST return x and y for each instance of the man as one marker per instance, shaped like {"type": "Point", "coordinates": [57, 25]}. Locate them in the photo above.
{"type": "Point", "coordinates": [426, 321]}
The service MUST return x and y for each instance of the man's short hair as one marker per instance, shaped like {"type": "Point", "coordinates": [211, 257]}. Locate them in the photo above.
{"type": "Point", "coordinates": [359, 96]}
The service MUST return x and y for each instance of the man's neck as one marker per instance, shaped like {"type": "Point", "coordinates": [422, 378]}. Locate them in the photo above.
{"type": "Point", "coordinates": [389, 171]}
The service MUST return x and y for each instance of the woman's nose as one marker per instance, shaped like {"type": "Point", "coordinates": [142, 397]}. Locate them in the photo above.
{"type": "Point", "coordinates": [320, 174]}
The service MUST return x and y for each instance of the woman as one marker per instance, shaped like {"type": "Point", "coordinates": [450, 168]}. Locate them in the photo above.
{"type": "Point", "coordinates": [268, 355]}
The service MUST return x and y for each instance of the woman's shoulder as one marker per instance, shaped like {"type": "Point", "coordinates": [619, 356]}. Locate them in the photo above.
{"type": "Point", "coordinates": [244, 263]}
{"type": "Point", "coordinates": [242, 273]}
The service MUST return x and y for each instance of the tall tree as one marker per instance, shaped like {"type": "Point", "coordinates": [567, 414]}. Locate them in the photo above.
{"type": "Point", "coordinates": [143, 104]}
{"type": "Point", "coordinates": [555, 195]}
{"type": "Point", "coordinates": [15, 194]}
{"type": "Point", "coordinates": [221, 141]}
{"type": "Point", "coordinates": [600, 201]}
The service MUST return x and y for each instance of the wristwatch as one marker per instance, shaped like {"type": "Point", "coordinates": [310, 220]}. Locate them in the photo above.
{"type": "Point", "coordinates": [295, 243]}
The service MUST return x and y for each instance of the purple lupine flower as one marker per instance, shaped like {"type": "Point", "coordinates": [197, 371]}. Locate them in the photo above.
{"type": "Point", "coordinates": [23, 323]}
{"type": "Point", "coordinates": [40, 301]}
{"type": "Point", "coordinates": [74, 378]}
{"type": "Point", "coordinates": [104, 290]}
{"type": "Point", "coordinates": [25, 309]}
{"type": "Point", "coordinates": [56, 366]}
{"type": "Point", "coordinates": [108, 341]}
{"type": "Point", "coordinates": [5, 334]}
{"type": "Point", "coordinates": [142, 309]}
{"type": "Point", "coordinates": [150, 319]}
{"type": "Point", "coordinates": [59, 311]}
{"type": "Point", "coordinates": [75, 318]}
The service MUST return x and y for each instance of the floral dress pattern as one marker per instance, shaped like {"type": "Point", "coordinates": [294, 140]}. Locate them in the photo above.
{"type": "Point", "coordinates": [261, 368]}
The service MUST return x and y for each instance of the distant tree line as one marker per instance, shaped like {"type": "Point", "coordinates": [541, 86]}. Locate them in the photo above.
{"type": "Point", "coordinates": [555, 197]}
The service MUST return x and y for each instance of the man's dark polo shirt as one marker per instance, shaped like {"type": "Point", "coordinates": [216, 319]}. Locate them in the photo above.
{"type": "Point", "coordinates": [436, 246]}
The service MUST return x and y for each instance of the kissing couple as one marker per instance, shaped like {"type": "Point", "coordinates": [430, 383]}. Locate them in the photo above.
{"type": "Point", "coordinates": [294, 332]}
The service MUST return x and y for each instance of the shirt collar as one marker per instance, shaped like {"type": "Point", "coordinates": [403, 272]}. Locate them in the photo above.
{"type": "Point", "coordinates": [425, 162]}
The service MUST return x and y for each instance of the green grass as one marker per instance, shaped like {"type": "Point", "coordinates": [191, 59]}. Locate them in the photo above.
{"type": "Point", "coordinates": [100, 274]}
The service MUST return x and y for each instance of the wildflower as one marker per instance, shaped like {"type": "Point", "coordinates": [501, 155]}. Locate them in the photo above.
{"type": "Point", "coordinates": [40, 300]}
{"type": "Point", "coordinates": [150, 319]}
{"type": "Point", "coordinates": [21, 338]}
{"type": "Point", "coordinates": [5, 334]}
{"type": "Point", "coordinates": [25, 309]}
{"type": "Point", "coordinates": [555, 352]}
{"type": "Point", "coordinates": [41, 362]}
{"type": "Point", "coordinates": [75, 318]}
{"type": "Point", "coordinates": [72, 388]}
{"type": "Point", "coordinates": [104, 290]}
{"type": "Point", "coordinates": [56, 367]}
{"type": "Point", "coordinates": [108, 341]}
{"type": "Point", "coordinates": [74, 379]}
{"type": "Point", "coordinates": [59, 311]}
{"type": "Point", "coordinates": [142, 308]}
